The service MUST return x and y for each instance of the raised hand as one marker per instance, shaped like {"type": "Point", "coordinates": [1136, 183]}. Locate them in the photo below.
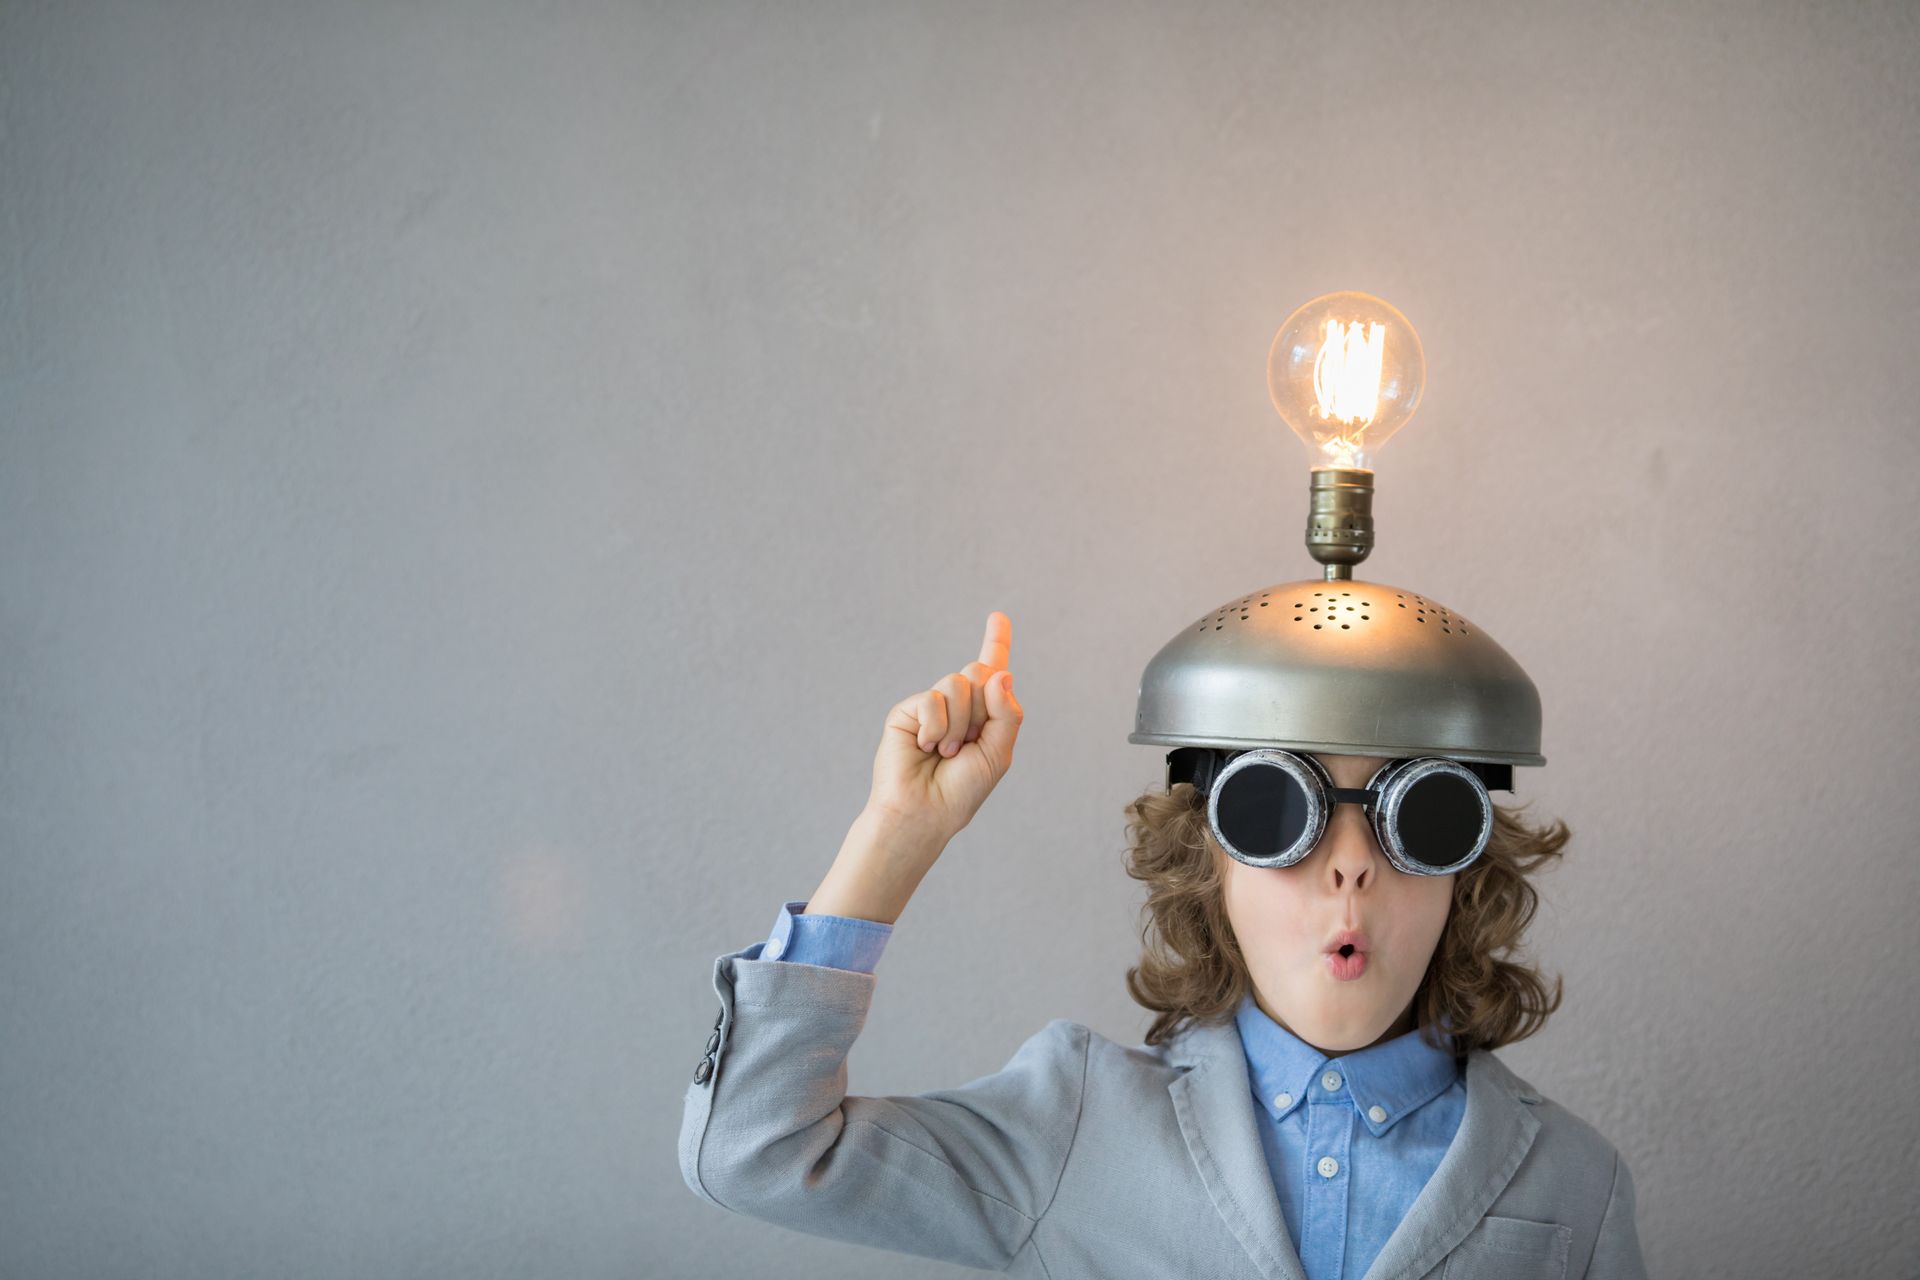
{"type": "Point", "coordinates": [944, 749]}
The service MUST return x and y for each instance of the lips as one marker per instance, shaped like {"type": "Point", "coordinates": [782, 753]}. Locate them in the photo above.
{"type": "Point", "coordinates": [1347, 968]}
{"type": "Point", "coordinates": [1346, 954]}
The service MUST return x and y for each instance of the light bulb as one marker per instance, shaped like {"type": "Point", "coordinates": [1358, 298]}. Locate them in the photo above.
{"type": "Point", "coordinates": [1346, 371]}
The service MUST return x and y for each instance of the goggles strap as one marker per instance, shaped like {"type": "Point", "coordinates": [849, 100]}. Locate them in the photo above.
{"type": "Point", "coordinates": [1201, 765]}
{"type": "Point", "coordinates": [1197, 765]}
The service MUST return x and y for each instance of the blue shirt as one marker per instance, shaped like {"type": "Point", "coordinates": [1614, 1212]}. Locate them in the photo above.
{"type": "Point", "coordinates": [1350, 1140]}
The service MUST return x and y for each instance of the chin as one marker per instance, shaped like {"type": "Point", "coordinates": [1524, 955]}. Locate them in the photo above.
{"type": "Point", "coordinates": [1335, 1042]}
{"type": "Point", "coordinates": [1343, 1030]}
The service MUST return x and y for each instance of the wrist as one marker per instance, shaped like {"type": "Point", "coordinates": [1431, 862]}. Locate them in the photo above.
{"type": "Point", "coordinates": [894, 835]}
{"type": "Point", "coordinates": [880, 864]}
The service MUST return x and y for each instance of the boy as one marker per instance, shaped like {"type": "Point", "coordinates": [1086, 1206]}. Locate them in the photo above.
{"type": "Point", "coordinates": [1317, 1097]}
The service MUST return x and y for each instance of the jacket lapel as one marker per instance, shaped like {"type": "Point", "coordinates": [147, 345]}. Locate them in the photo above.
{"type": "Point", "coordinates": [1495, 1134]}
{"type": "Point", "coordinates": [1214, 1103]}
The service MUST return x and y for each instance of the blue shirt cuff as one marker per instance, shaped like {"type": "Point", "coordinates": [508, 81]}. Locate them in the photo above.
{"type": "Point", "coordinates": [835, 942]}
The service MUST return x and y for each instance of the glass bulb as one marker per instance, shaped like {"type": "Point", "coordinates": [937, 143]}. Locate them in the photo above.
{"type": "Point", "coordinates": [1346, 371]}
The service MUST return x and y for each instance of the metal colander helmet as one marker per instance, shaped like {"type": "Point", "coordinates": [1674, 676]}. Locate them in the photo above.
{"type": "Point", "coordinates": [1344, 667]}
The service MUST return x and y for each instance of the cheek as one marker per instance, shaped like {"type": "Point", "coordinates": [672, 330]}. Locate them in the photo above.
{"type": "Point", "coordinates": [1422, 913]}
{"type": "Point", "coordinates": [1267, 910]}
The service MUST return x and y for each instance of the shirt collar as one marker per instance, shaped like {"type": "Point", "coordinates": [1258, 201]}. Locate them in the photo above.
{"type": "Point", "coordinates": [1396, 1076]}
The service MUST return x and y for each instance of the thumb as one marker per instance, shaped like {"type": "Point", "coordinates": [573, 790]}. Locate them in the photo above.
{"type": "Point", "coordinates": [1003, 721]}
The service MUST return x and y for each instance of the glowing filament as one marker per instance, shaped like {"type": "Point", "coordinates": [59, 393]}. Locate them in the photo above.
{"type": "Point", "coordinates": [1346, 375]}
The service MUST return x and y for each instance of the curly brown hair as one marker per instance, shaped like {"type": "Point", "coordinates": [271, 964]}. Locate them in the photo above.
{"type": "Point", "coordinates": [1191, 968]}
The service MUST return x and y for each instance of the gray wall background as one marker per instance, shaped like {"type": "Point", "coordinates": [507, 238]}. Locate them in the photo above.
{"type": "Point", "coordinates": [474, 478]}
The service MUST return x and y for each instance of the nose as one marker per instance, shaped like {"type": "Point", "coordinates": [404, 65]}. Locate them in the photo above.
{"type": "Point", "coordinates": [1353, 852]}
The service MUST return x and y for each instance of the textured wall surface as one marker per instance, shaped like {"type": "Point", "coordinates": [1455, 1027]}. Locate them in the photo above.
{"type": "Point", "coordinates": [474, 477]}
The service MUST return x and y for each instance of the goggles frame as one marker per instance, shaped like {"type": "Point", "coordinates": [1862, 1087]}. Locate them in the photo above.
{"type": "Point", "coordinates": [1381, 799]}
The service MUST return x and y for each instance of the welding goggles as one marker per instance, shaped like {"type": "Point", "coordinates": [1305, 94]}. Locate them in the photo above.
{"type": "Point", "coordinates": [1269, 807]}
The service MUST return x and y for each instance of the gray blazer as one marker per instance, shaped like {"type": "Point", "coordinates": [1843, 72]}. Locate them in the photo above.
{"type": "Point", "coordinates": [1086, 1158]}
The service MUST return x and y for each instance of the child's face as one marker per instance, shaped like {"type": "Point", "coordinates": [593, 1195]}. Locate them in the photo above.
{"type": "Point", "coordinates": [1284, 917]}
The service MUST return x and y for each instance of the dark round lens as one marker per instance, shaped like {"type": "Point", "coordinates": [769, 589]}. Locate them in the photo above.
{"type": "Point", "coordinates": [1262, 810]}
{"type": "Point", "coordinates": [1440, 819]}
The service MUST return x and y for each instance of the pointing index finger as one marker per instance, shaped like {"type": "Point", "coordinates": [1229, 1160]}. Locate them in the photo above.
{"type": "Point", "coordinates": [999, 637]}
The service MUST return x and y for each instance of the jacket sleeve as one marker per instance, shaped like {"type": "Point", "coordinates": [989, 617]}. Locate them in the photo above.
{"type": "Point", "coordinates": [1616, 1253]}
{"type": "Point", "coordinates": [959, 1174]}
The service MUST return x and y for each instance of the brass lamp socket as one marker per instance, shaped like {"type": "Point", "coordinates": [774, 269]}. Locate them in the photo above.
{"type": "Point", "coordinates": [1340, 519]}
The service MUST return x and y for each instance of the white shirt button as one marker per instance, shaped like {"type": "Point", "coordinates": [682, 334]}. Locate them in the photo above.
{"type": "Point", "coordinates": [1377, 1114]}
{"type": "Point", "coordinates": [1330, 1081]}
{"type": "Point", "coordinates": [1328, 1166]}
{"type": "Point", "coordinates": [1282, 1100]}
{"type": "Point", "coordinates": [772, 951]}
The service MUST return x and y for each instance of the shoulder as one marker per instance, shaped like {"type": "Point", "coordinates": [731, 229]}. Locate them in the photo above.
{"type": "Point", "coordinates": [1107, 1060]}
{"type": "Point", "coordinates": [1051, 1062]}
{"type": "Point", "coordinates": [1059, 1044]}
{"type": "Point", "coordinates": [1065, 1060]}
{"type": "Point", "coordinates": [1575, 1153]}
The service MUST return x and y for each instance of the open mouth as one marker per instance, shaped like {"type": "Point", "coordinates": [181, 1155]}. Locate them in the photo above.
{"type": "Point", "coordinates": [1347, 954]}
